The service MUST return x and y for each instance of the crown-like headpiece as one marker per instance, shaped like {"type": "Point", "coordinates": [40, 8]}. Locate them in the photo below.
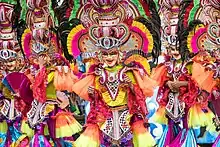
{"type": "Point", "coordinates": [110, 36]}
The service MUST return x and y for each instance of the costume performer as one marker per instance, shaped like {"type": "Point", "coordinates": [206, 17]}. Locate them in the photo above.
{"type": "Point", "coordinates": [48, 115]}
{"type": "Point", "coordinates": [180, 97]}
{"type": "Point", "coordinates": [116, 75]}
{"type": "Point", "coordinates": [203, 40]}
{"type": "Point", "coordinates": [14, 102]}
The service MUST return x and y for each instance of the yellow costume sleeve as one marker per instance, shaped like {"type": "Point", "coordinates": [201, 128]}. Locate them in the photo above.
{"type": "Point", "coordinates": [51, 91]}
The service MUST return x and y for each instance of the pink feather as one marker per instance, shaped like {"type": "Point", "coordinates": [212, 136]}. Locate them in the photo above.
{"type": "Point", "coordinates": [144, 37]}
{"type": "Point", "coordinates": [27, 40]}
{"type": "Point", "coordinates": [194, 41]}
{"type": "Point", "coordinates": [75, 42]}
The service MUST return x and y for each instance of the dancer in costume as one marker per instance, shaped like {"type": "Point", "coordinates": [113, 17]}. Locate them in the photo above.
{"type": "Point", "coordinates": [48, 115]}
{"type": "Point", "coordinates": [115, 51]}
{"type": "Point", "coordinates": [181, 102]}
{"type": "Point", "coordinates": [208, 50]}
{"type": "Point", "coordinates": [205, 42]}
{"type": "Point", "coordinates": [177, 78]}
{"type": "Point", "coordinates": [117, 95]}
{"type": "Point", "coordinates": [14, 102]}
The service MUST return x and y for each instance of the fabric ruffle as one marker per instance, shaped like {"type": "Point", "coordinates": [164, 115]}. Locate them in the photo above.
{"type": "Point", "coordinates": [141, 136]}
{"type": "Point", "coordinates": [22, 141]}
{"type": "Point", "coordinates": [160, 116]}
{"type": "Point", "coordinates": [159, 74]}
{"type": "Point", "coordinates": [25, 129]}
{"type": "Point", "coordinates": [66, 125]}
{"type": "Point", "coordinates": [90, 137]}
{"type": "Point", "coordinates": [16, 138]}
{"type": "Point", "coordinates": [39, 86]}
{"type": "Point", "coordinates": [190, 93]}
{"type": "Point", "coordinates": [3, 133]}
{"type": "Point", "coordinates": [147, 89]}
{"type": "Point", "coordinates": [3, 127]}
{"type": "Point", "coordinates": [39, 139]}
{"type": "Point", "coordinates": [136, 101]}
{"type": "Point", "coordinates": [217, 142]}
{"type": "Point", "coordinates": [185, 138]}
{"type": "Point", "coordinates": [198, 118]}
{"type": "Point", "coordinates": [50, 89]}
{"type": "Point", "coordinates": [81, 87]}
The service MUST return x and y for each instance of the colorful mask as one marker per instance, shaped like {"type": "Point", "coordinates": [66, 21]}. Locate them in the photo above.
{"type": "Point", "coordinates": [10, 53]}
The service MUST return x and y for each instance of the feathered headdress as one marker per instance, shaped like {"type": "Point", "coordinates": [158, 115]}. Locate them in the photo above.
{"type": "Point", "coordinates": [10, 49]}
{"type": "Point", "coordinates": [101, 29]}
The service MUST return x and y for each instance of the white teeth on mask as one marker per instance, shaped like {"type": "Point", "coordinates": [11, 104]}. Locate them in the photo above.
{"type": "Point", "coordinates": [66, 69]}
{"type": "Point", "coordinates": [59, 68]}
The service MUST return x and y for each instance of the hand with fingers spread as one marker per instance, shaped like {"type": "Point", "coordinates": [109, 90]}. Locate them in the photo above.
{"type": "Point", "coordinates": [62, 99]}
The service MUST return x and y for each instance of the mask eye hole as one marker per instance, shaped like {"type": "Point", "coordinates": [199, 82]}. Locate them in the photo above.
{"type": "Point", "coordinates": [113, 53]}
{"type": "Point", "coordinates": [104, 53]}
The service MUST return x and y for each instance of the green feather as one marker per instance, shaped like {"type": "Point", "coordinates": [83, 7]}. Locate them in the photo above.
{"type": "Point", "coordinates": [194, 10]}
{"type": "Point", "coordinates": [140, 8]}
{"type": "Point", "coordinates": [13, 2]}
{"type": "Point", "coordinates": [24, 9]}
{"type": "Point", "coordinates": [157, 4]}
{"type": "Point", "coordinates": [75, 9]}
{"type": "Point", "coordinates": [52, 14]}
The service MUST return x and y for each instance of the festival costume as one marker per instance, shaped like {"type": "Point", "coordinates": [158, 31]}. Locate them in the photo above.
{"type": "Point", "coordinates": [120, 116]}
{"type": "Point", "coordinates": [180, 106]}
{"type": "Point", "coordinates": [203, 41]}
{"type": "Point", "coordinates": [14, 83]}
{"type": "Point", "coordinates": [82, 29]}
{"type": "Point", "coordinates": [115, 105]}
{"type": "Point", "coordinates": [188, 104]}
{"type": "Point", "coordinates": [46, 116]}
{"type": "Point", "coordinates": [117, 109]}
